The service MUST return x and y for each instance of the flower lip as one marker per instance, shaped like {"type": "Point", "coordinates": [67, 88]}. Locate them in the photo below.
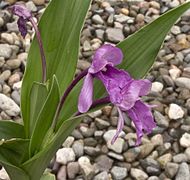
{"type": "Point", "coordinates": [21, 11]}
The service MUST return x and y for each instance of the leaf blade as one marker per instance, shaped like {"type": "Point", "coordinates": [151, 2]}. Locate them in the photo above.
{"type": "Point", "coordinates": [61, 44]}
{"type": "Point", "coordinates": [45, 118]}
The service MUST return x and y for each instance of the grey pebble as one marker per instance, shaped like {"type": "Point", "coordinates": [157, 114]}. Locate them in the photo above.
{"type": "Point", "coordinates": [183, 172]}
{"type": "Point", "coordinates": [102, 176]}
{"type": "Point", "coordinates": [114, 35]}
{"type": "Point", "coordinates": [5, 51]}
{"type": "Point", "coordinates": [119, 173]}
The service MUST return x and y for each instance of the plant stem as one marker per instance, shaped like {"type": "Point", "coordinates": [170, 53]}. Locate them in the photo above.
{"type": "Point", "coordinates": [97, 102]}
{"type": "Point", "coordinates": [63, 98]}
{"type": "Point", "coordinates": [43, 59]}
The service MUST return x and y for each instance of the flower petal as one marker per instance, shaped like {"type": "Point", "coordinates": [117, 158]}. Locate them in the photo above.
{"type": "Point", "coordinates": [138, 124]}
{"type": "Point", "coordinates": [144, 111]}
{"type": "Point", "coordinates": [120, 126]}
{"type": "Point", "coordinates": [132, 91]}
{"type": "Point", "coordinates": [22, 26]}
{"type": "Point", "coordinates": [142, 117]}
{"type": "Point", "coordinates": [21, 11]}
{"type": "Point", "coordinates": [86, 94]}
{"type": "Point", "coordinates": [106, 54]}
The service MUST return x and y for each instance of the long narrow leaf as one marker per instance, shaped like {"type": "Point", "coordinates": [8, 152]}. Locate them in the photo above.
{"type": "Point", "coordinates": [45, 118]}
{"type": "Point", "coordinates": [60, 28]}
{"type": "Point", "coordinates": [38, 96]}
{"type": "Point", "coordinates": [10, 129]}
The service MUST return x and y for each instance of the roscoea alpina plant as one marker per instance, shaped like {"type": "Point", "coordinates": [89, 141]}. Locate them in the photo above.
{"type": "Point", "coordinates": [53, 101]}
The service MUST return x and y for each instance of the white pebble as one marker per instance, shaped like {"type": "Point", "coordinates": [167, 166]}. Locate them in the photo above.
{"type": "Point", "coordinates": [175, 111]}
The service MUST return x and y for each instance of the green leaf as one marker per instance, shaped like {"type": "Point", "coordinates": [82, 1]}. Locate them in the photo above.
{"type": "Point", "coordinates": [60, 35]}
{"type": "Point", "coordinates": [38, 96]}
{"type": "Point", "coordinates": [140, 51]}
{"type": "Point", "coordinates": [37, 164]}
{"type": "Point", "coordinates": [10, 129]}
{"type": "Point", "coordinates": [48, 176]}
{"type": "Point", "coordinates": [14, 150]}
{"type": "Point", "coordinates": [45, 118]}
{"type": "Point", "coordinates": [14, 172]}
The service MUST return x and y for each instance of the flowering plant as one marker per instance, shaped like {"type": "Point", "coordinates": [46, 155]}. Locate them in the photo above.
{"type": "Point", "coordinates": [53, 101]}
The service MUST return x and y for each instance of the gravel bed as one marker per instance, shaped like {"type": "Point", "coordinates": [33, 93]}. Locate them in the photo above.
{"type": "Point", "coordinates": [87, 153]}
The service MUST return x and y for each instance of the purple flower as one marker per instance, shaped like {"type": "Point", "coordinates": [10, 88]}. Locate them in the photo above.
{"type": "Point", "coordinates": [24, 15]}
{"type": "Point", "coordinates": [123, 90]}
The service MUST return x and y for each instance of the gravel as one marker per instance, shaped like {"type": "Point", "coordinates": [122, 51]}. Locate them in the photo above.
{"type": "Point", "coordinates": [87, 153]}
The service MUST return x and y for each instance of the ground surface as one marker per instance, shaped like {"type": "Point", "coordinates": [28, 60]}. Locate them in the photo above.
{"type": "Point", "coordinates": [87, 154]}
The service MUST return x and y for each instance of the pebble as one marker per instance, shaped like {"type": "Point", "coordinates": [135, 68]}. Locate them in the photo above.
{"type": "Point", "coordinates": [174, 73]}
{"type": "Point", "coordinates": [183, 172]}
{"type": "Point", "coordinates": [8, 38]}
{"type": "Point", "coordinates": [179, 158]}
{"type": "Point", "coordinates": [17, 86]}
{"type": "Point", "coordinates": [62, 173]}
{"type": "Point", "coordinates": [171, 169]}
{"type": "Point", "coordinates": [187, 153]}
{"type": "Point", "coordinates": [14, 78]}
{"type": "Point", "coordinates": [185, 140]}
{"type": "Point", "coordinates": [175, 111]}
{"type": "Point", "coordinates": [175, 30]}
{"type": "Point", "coordinates": [157, 140]}
{"type": "Point", "coordinates": [72, 169]}
{"type": "Point", "coordinates": [104, 163]}
{"type": "Point", "coordinates": [161, 120]}
{"type": "Point", "coordinates": [31, 6]}
{"type": "Point", "coordinates": [2, 62]}
{"type": "Point", "coordinates": [97, 19]}
{"type": "Point", "coordinates": [68, 142]}
{"type": "Point", "coordinates": [157, 87]}
{"type": "Point", "coordinates": [87, 168]}
{"type": "Point", "coordinates": [101, 124]}
{"type": "Point", "coordinates": [9, 106]}
{"type": "Point", "coordinates": [39, 2]}
{"type": "Point", "coordinates": [4, 76]}
{"type": "Point", "coordinates": [1, 22]}
{"type": "Point", "coordinates": [138, 174]}
{"type": "Point", "coordinates": [102, 176]}
{"type": "Point", "coordinates": [4, 175]}
{"type": "Point", "coordinates": [153, 178]}
{"type": "Point", "coordinates": [116, 156]}
{"type": "Point", "coordinates": [132, 154]}
{"type": "Point", "coordinates": [15, 95]}
{"type": "Point", "coordinates": [183, 82]}
{"type": "Point", "coordinates": [163, 160]}
{"type": "Point", "coordinates": [13, 63]}
{"type": "Point", "coordinates": [65, 155]}
{"type": "Point", "coordinates": [118, 144]}
{"type": "Point", "coordinates": [119, 173]}
{"type": "Point", "coordinates": [78, 148]}
{"type": "Point", "coordinates": [5, 51]}
{"type": "Point", "coordinates": [145, 150]}
{"type": "Point", "coordinates": [114, 35]}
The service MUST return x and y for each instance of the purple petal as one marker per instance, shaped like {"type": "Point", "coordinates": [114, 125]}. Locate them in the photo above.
{"type": "Point", "coordinates": [86, 94]}
{"type": "Point", "coordinates": [22, 26]}
{"type": "Point", "coordinates": [142, 117]}
{"type": "Point", "coordinates": [106, 54]}
{"type": "Point", "coordinates": [120, 126]}
{"type": "Point", "coordinates": [145, 86]}
{"type": "Point", "coordinates": [144, 111]}
{"type": "Point", "coordinates": [114, 80]}
{"type": "Point", "coordinates": [21, 11]}
{"type": "Point", "coordinates": [132, 91]}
